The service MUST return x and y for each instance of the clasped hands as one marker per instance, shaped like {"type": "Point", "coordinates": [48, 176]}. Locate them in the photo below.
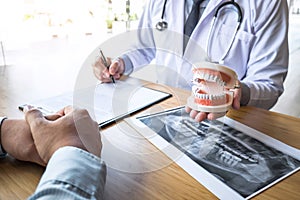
{"type": "Point", "coordinates": [36, 138]}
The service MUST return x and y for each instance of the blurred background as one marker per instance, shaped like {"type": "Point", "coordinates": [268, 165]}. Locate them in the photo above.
{"type": "Point", "coordinates": [27, 21]}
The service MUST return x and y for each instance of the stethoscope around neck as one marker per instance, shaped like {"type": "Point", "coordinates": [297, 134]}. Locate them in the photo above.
{"type": "Point", "coordinates": [163, 25]}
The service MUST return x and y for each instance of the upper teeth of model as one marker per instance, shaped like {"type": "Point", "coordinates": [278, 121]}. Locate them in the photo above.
{"type": "Point", "coordinates": [208, 77]}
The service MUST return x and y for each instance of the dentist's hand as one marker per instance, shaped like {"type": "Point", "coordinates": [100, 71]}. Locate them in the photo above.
{"type": "Point", "coordinates": [200, 116]}
{"type": "Point", "coordinates": [74, 128]}
{"type": "Point", "coordinates": [116, 68]}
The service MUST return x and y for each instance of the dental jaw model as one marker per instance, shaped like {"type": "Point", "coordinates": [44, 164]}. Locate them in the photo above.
{"type": "Point", "coordinates": [211, 87]}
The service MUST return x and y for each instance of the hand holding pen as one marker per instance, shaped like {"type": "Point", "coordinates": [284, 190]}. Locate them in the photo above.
{"type": "Point", "coordinates": [107, 70]}
{"type": "Point", "coordinates": [106, 65]}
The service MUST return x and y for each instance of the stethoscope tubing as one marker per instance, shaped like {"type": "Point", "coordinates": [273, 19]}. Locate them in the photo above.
{"type": "Point", "coordinates": [240, 18]}
{"type": "Point", "coordinates": [236, 5]}
{"type": "Point", "coordinates": [163, 25]}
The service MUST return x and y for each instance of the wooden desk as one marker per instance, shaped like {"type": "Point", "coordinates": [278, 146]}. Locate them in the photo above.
{"type": "Point", "coordinates": [19, 179]}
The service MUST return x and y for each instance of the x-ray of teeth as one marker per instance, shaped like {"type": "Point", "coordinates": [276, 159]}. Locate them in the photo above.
{"type": "Point", "coordinates": [243, 163]}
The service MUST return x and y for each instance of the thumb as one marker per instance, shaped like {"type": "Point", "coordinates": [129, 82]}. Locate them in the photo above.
{"type": "Point", "coordinates": [117, 66]}
{"type": "Point", "coordinates": [114, 68]}
{"type": "Point", "coordinates": [34, 117]}
{"type": "Point", "coordinates": [236, 98]}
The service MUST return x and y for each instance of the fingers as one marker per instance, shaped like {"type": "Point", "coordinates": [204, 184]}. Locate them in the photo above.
{"type": "Point", "coordinates": [237, 93]}
{"type": "Point", "coordinates": [102, 73]}
{"type": "Point", "coordinates": [64, 111]}
{"type": "Point", "coordinates": [100, 70]}
{"type": "Point", "coordinates": [196, 115]}
{"type": "Point", "coordinates": [33, 116]}
{"type": "Point", "coordinates": [17, 141]}
{"type": "Point", "coordinates": [97, 72]}
{"type": "Point", "coordinates": [117, 68]}
{"type": "Point", "coordinates": [214, 116]}
{"type": "Point", "coordinates": [68, 127]}
{"type": "Point", "coordinates": [88, 131]}
{"type": "Point", "coordinates": [53, 117]}
{"type": "Point", "coordinates": [50, 136]}
{"type": "Point", "coordinates": [188, 109]}
{"type": "Point", "coordinates": [67, 110]}
{"type": "Point", "coordinates": [200, 116]}
{"type": "Point", "coordinates": [114, 70]}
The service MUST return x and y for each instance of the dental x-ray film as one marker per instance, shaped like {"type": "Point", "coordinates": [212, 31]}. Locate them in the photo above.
{"type": "Point", "coordinates": [237, 158]}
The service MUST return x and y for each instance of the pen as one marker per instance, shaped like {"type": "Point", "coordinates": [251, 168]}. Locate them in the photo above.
{"type": "Point", "coordinates": [106, 65]}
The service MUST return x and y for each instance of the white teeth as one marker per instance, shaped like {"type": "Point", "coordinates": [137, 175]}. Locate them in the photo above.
{"type": "Point", "coordinates": [202, 96]}
{"type": "Point", "coordinates": [215, 79]}
{"type": "Point", "coordinates": [208, 96]}
{"type": "Point", "coordinates": [208, 77]}
{"type": "Point", "coordinates": [220, 82]}
{"type": "Point", "coordinates": [212, 85]}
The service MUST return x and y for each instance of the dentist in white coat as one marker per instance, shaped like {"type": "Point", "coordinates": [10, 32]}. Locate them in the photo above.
{"type": "Point", "coordinates": [258, 49]}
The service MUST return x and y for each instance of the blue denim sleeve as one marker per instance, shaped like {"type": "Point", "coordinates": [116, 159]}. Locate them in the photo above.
{"type": "Point", "coordinates": [72, 174]}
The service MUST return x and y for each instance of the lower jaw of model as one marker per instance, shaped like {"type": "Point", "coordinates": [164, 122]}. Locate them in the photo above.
{"type": "Point", "coordinates": [211, 88]}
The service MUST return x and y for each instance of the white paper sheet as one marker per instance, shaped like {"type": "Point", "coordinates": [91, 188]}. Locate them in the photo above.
{"type": "Point", "coordinates": [231, 160]}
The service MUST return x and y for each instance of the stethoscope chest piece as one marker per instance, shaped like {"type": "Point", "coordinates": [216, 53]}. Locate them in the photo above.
{"type": "Point", "coordinates": [162, 25]}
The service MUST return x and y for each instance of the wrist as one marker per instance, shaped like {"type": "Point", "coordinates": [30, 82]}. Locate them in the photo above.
{"type": "Point", "coordinates": [3, 153]}
{"type": "Point", "coordinates": [245, 94]}
{"type": "Point", "coordinates": [122, 64]}
{"type": "Point", "coordinates": [128, 66]}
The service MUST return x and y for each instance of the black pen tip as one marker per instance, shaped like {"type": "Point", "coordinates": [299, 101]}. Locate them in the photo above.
{"type": "Point", "coordinates": [113, 80]}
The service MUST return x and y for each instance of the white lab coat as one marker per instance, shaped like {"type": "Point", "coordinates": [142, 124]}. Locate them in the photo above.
{"type": "Point", "coordinates": [259, 53]}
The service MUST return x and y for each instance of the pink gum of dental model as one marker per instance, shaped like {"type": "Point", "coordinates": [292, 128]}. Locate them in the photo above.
{"type": "Point", "coordinates": [211, 89]}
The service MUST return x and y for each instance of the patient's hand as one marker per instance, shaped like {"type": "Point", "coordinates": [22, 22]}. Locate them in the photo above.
{"type": "Point", "coordinates": [17, 141]}
{"type": "Point", "coordinates": [74, 128]}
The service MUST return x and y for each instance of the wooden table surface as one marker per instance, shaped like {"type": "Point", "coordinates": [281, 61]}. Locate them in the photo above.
{"type": "Point", "coordinates": [131, 177]}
